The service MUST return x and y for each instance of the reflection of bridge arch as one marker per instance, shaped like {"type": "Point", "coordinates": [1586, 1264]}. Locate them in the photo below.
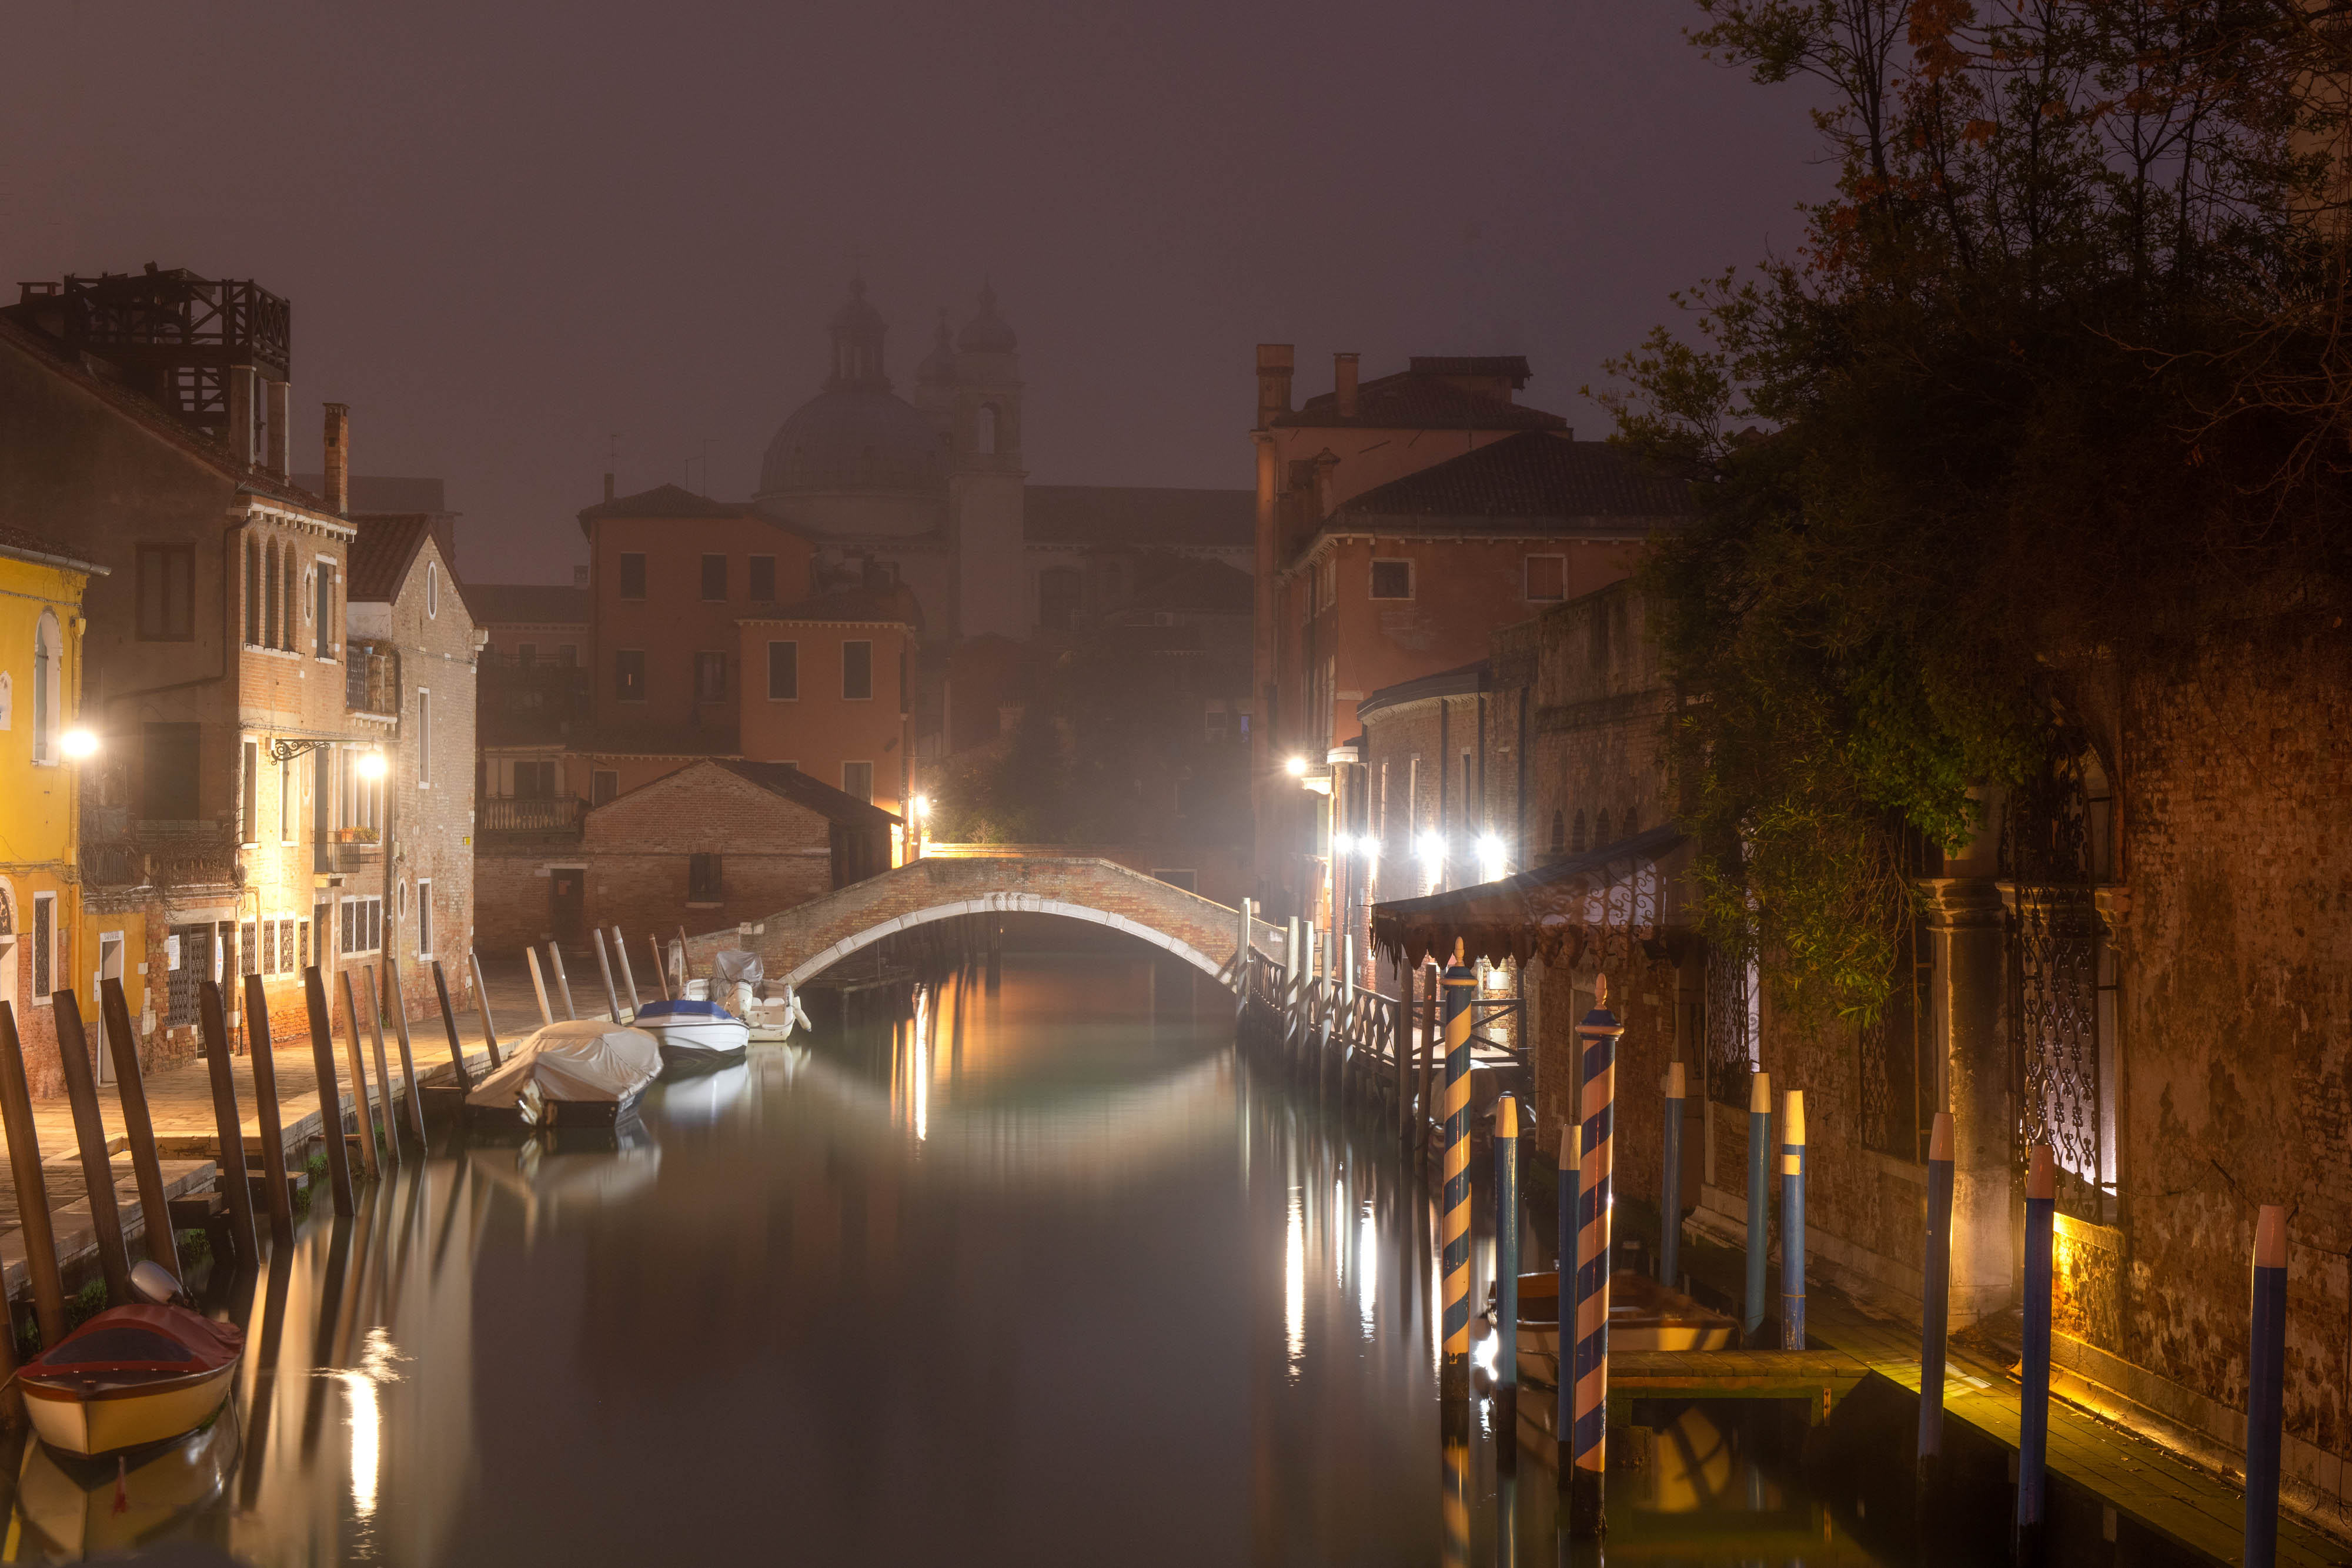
{"type": "Point", "coordinates": [806, 940]}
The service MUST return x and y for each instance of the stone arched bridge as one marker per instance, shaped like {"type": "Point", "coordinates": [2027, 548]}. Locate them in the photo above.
{"type": "Point", "coordinates": [798, 943]}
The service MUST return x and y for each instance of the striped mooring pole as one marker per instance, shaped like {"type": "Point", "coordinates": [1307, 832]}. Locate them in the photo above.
{"type": "Point", "coordinates": [1454, 1372]}
{"type": "Point", "coordinates": [1935, 1302]}
{"type": "Point", "coordinates": [1506, 1281]}
{"type": "Point", "coordinates": [1670, 1188]}
{"type": "Point", "coordinates": [2265, 1387]}
{"type": "Point", "coordinates": [1793, 1221]}
{"type": "Point", "coordinates": [1571, 1142]}
{"type": "Point", "coordinates": [1760, 1203]}
{"type": "Point", "coordinates": [1597, 1034]}
{"type": "Point", "coordinates": [2034, 1372]}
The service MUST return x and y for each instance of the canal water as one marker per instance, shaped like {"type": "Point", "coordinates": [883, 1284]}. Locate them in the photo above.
{"type": "Point", "coordinates": [1047, 1275]}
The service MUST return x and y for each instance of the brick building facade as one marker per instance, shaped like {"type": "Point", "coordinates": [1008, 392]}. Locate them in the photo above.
{"type": "Point", "coordinates": [715, 843]}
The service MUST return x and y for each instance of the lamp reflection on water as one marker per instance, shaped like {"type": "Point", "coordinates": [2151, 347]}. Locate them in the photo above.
{"type": "Point", "coordinates": [366, 1418]}
{"type": "Point", "coordinates": [1294, 1281]}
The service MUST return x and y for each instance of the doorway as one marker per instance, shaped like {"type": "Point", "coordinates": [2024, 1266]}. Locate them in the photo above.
{"type": "Point", "coordinates": [566, 897]}
{"type": "Point", "coordinates": [110, 967]}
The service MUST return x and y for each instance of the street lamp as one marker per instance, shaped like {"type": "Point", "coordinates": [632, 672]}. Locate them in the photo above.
{"type": "Point", "coordinates": [922, 820]}
{"type": "Point", "coordinates": [79, 744]}
{"type": "Point", "coordinates": [1491, 863]}
{"type": "Point", "coordinates": [1296, 767]}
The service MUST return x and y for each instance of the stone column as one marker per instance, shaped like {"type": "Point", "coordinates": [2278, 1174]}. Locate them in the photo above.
{"type": "Point", "coordinates": [1971, 1029]}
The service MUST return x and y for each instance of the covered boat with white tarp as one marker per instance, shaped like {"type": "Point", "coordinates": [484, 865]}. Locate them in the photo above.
{"type": "Point", "coordinates": [767, 1010]}
{"type": "Point", "coordinates": [579, 1072]}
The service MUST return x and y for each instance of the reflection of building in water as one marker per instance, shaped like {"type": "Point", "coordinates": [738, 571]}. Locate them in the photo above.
{"type": "Point", "coordinates": [362, 1374]}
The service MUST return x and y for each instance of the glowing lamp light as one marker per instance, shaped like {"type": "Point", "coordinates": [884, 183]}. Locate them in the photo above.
{"type": "Point", "coordinates": [1432, 848]}
{"type": "Point", "coordinates": [1343, 845]}
{"type": "Point", "coordinates": [371, 764]}
{"type": "Point", "coordinates": [922, 805]}
{"type": "Point", "coordinates": [1296, 767]}
{"type": "Point", "coordinates": [1369, 847]}
{"type": "Point", "coordinates": [78, 745]}
{"type": "Point", "coordinates": [1491, 863]}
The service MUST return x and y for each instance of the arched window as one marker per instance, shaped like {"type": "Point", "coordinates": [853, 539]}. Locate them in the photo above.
{"type": "Point", "coordinates": [293, 602]}
{"type": "Point", "coordinates": [1601, 838]}
{"type": "Point", "coordinates": [984, 431]}
{"type": "Point", "coordinates": [432, 588]}
{"type": "Point", "coordinates": [1558, 833]}
{"type": "Point", "coordinates": [48, 687]}
{"type": "Point", "coordinates": [252, 592]}
{"type": "Point", "coordinates": [271, 600]}
{"type": "Point", "coordinates": [1576, 838]}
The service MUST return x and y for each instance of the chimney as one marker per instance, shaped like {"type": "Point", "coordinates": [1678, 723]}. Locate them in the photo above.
{"type": "Point", "coordinates": [279, 453]}
{"type": "Point", "coordinates": [608, 487]}
{"type": "Point", "coordinates": [1343, 384]}
{"type": "Point", "coordinates": [339, 459]}
{"type": "Point", "coordinates": [1274, 363]}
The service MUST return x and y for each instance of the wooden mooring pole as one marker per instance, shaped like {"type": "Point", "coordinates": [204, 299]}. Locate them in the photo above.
{"type": "Point", "coordinates": [1670, 1185]}
{"type": "Point", "coordinates": [396, 1000]}
{"type": "Point", "coordinates": [89, 1138]}
{"type": "Point", "coordinates": [1598, 1035]}
{"type": "Point", "coordinates": [2265, 1387]}
{"type": "Point", "coordinates": [1759, 1204]}
{"type": "Point", "coordinates": [1506, 1281]}
{"type": "Point", "coordinates": [1793, 1221]}
{"type": "Point", "coordinates": [330, 1100]}
{"type": "Point", "coordinates": [138, 1126]}
{"type": "Point", "coordinates": [1571, 1222]}
{"type": "Point", "coordinates": [482, 1005]}
{"type": "Point", "coordinates": [264, 1057]}
{"type": "Point", "coordinates": [628, 977]}
{"type": "Point", "coordinates": [604, 968]}
{"type": "Point", "coordinates": [1454, 1368]}
{"type": "Point", "coordinates": [449, 1028]}
{"type": "Point", "coordinates": [2034, 1372]}
{"type": "Point", "coordinates": [32, 1187]}
{"type": "Point", "coordinates": [236, 1181]}
{"type": "Point", "coordinates": [563, 981]}
{"type": "Point", "coordinates": [1934, 1305]}
{"type": "Point", "coordinates": [358, 1054]}
{"type": "Point", "coordinates": [661, 972]}
{"type": "Point", "coordinates": [383, 1067]}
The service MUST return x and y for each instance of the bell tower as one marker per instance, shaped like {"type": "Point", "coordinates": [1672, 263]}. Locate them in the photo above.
{"type": "Point", "coordinates": [994, 594]}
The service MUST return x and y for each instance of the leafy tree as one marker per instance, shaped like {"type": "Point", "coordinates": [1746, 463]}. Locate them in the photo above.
{"type": "Point", "coordinates": [2000, 420]}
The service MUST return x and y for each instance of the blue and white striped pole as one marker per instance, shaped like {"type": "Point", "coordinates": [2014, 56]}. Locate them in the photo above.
{"type": "Point", "coordinates": [1564, 1420]}
{"type": "Point", "coordinates": [1793, 1221]}
{"type": "Point", "coordinates": [1670, 1189]}
{"type": "Point", "coordinates": [1453, 1371]}
{"type": "Point", "coordinates": [2034, 1372]}
{"type": "Point", "coordinates": [1935, 1303]}
{"type": "Point", "coordinates": [1507, 1279]}
{"type": "Point", "coordinates": [2265, 1387]}
{"type": "Point", "coordinates": [1760, 1203]}
{"type": "Point", "coordinates": [1597, 1034]}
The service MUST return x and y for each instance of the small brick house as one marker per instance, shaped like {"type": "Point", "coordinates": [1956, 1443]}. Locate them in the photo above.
{"type": "Point", "coordinates": [718, 842]}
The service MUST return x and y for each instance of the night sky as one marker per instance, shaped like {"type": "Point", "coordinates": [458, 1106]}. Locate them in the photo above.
{"type": "Point", "coordinates": [510, 232]}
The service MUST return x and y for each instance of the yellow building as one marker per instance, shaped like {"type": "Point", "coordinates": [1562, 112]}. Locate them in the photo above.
{"type": "Point", "coordinates": [49, 940]}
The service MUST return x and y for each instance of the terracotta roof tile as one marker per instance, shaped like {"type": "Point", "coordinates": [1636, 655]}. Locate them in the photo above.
{"type": "Point", "coordinates": [1545, 480]}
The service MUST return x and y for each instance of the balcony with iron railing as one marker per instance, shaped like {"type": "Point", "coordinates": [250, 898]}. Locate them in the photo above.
{"type": "Point", "coordinates": [118, 850]}
{"type": "Point", "coordinates": [530, 814]}
{"type": "Point", "coordinates": [339, 851]}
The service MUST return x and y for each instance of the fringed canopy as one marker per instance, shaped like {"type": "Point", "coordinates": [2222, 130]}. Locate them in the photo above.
{"type": "Point", "coordinates": [1628, 891]}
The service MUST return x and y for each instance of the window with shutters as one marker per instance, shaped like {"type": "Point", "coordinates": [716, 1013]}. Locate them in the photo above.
{"type": "Point", "coordinates": [45, 937]}
{"type": "Point", "coordinates": [633, 575]}
{"type": "Point", "coordinates": [248, 820]}
{"type": "Point", "coordinates": [424, 917]}
{"type": "Point", "coordinates": [857, 780]}
{"type": "Point", "coordinates": [629, 674]}
{"type": "Point", "coordinates": [329, 638]}
{"type": "Point", "coordinates": [424, 738]}
{"type": "Point", "coordinates": [714, 577]}
{"type": "Point", "coordinates": [857, 671]}
{"type": "Point", "coordinates": [603, 783]}
{"type": "Point", "coordinates": [763, 577]}
{"type": "Point", "coordinates": [1392, 580]}
{"type": "Point", "coordinates": [1547, 579]}
{"type": "Point", "coordinates": [167, 593]}
{"type": "Point", "coordinates": [784, 672]}
{"type": "Point", "coordinates": [702, 880]}
{"type": "Point", "coordinates": [709, 677]}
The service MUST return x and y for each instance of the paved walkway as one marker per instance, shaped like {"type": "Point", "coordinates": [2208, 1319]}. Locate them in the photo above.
{"type": "Point", "coordinates": [2163, 1492]}
{"type": "Point", "coordinates": [187, 1132]}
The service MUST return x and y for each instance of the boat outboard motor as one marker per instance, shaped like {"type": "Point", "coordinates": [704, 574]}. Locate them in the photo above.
{"type": "Point", "coordinates": [154, 1281]}
{"type": "Point", "coordinates": [735, 980]}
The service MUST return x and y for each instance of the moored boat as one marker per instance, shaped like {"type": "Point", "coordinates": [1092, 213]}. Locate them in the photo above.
{"type": "Point", "coordinates": [1642, 1315]}
{"type": "Point", "coordinates": [577, 1072]}
{"type": "Point", "coordinates": [131, 1375]}
{"type": "Point", "coordinates": [694, 1032]}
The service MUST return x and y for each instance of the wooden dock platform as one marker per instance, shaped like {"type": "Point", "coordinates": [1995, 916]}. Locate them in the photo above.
{"type": "Point", "coordinates": [1819, 1377]}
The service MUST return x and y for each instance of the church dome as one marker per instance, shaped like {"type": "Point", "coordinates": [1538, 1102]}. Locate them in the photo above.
{"type": "Point", "coordinates": [855, 435]}
{"type": "Point", "coordinates": [986, 332]}
{"type": "Point", "coordinates": [855, 438]}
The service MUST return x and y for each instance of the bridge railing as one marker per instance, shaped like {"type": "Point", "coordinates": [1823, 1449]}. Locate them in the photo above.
{"type": "Point", "coordinates": [1357, 1042]}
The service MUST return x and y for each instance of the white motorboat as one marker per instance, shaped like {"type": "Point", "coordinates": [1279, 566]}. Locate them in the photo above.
{"type": "Point", "coordinates": [769, 1008]}
{"type": "Point", "coordinates": [694, 1032]}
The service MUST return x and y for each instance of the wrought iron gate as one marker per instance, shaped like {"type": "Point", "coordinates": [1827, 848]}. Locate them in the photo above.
{"type": "Point", "coordinates": [1730, 1027]}
{"type": "Point", "coordinates": [2059, 972]}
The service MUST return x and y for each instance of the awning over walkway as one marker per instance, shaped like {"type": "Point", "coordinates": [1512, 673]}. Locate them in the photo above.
{"type": "Point", "coordinates": [1632, 890]}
